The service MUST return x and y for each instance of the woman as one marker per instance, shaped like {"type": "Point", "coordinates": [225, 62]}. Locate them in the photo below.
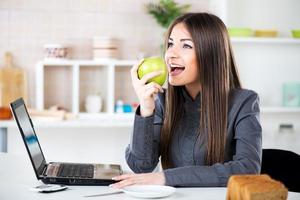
{"type": "Point", "coordinates": [204, 126]}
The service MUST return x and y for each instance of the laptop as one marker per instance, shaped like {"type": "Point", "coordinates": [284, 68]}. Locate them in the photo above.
{"type": "Point", "coordinates": [59, 172]}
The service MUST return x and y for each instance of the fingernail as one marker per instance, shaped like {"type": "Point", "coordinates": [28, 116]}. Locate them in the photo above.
{"type": "Point", "coordinates": [113, 178]}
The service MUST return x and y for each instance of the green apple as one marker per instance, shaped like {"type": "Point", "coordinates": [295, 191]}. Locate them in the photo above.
{"type": "Point", "coordinates": [153, 64]}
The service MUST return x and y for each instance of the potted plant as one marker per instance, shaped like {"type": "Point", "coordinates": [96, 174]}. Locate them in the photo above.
{"type": "Point", "coordinates": [165, 11]}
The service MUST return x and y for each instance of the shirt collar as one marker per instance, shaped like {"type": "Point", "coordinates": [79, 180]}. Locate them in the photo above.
{"type": "Point", "coordinates": [189, 99]}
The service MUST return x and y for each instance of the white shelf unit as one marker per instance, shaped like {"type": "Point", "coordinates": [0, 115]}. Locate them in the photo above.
{"type": "Point", "coordinates": [255, 14]}
{"type": "Point", "coordinates": [72, 80]}
{"type": "Point", "coordinates": [280, 110]}
{"type": "Point", "coordinates": [264, 64]}
{"type": "Point", "coordinates": [257, 40]}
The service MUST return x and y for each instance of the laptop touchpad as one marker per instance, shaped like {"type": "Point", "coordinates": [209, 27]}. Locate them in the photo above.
{"type": "Point", "coordinates": [106, 171]}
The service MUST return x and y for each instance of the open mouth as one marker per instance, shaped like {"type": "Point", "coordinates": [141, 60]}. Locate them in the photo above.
{"type": "Point", "coordinates": [176, 69]}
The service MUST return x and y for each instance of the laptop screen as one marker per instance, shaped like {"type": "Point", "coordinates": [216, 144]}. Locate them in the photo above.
{"type": "Point", "coordinates": [29, 136]}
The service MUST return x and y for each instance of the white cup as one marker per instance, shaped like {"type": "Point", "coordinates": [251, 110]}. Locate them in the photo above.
{"type": "Point", "coordinates": [93, 103]}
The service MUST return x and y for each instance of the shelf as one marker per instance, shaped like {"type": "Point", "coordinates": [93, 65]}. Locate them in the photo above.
{"type": "Point", "coordinates": [84, 77]}
{"type": "Point", "coordinates": [7, 124]}
{"type": "Point", "coordinates": [105, 116]}
{"type": "Point", "coordinates": [257, 40]}
{"type": "Point", "coordinates": [69, 62]}
{"type": "Point", "coordinates": [84, 120]}
{"type": "Point", "coordinates": [280, 110]}
{"type": "Point", "coordinates": [56, 62]}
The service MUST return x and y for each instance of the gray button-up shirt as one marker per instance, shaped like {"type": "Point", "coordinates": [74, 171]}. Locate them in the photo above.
{"type": "Point", "coordinates": [243, 149]}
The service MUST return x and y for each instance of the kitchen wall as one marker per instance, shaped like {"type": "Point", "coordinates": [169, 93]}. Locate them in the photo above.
{"type": "Point", "coordinates": [26, 25]}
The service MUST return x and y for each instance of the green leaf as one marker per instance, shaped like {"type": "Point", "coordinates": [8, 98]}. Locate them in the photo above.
{"type": "Point", "coordinates": [166, 11]}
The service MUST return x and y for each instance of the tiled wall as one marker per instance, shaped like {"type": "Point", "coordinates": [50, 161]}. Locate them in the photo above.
{"type": "Point", "coordinates": [26, 25]}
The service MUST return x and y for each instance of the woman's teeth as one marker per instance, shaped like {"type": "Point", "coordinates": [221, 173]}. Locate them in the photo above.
{"type": "Point", "coordinates": [174, 67]}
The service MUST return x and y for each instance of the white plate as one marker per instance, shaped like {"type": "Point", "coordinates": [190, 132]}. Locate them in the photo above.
{"type": "Point", "coordinates": [149, 191]}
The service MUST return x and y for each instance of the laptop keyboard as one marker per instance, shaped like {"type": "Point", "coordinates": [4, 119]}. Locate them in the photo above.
{"type": "Point", "coordinates": [76, 170]}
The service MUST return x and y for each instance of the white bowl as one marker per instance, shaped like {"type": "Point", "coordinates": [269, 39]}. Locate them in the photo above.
{"type": "Point", "coordinates": [55, 51]}
{"type": "Point", "coordinates": [149, 191]}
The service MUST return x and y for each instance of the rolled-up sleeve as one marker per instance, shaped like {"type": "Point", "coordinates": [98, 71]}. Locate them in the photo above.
{"type": "Point", "coordinates": [246, 159]}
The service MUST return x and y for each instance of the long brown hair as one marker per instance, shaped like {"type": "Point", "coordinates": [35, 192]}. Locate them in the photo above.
{"type": "Point", "coordinates": [218, 75]}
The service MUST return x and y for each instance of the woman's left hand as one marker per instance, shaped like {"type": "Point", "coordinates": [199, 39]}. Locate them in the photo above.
{"type": "Point", "coordinates": [157, 178]}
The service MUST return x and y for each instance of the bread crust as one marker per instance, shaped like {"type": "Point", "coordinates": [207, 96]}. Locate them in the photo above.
{"type": "Point", "coordinates": [255, 187]}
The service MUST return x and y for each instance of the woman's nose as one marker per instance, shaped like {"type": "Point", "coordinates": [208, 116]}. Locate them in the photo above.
{"type": "Point", "coordinates": [171, 53]}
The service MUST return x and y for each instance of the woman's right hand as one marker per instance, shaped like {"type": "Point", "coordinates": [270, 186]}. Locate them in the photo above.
{"type": "Point", "coordinates": [146, 92]}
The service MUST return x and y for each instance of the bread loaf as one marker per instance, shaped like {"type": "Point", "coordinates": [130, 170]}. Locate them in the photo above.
{"type": "Point", "coordinates": [255, 187]}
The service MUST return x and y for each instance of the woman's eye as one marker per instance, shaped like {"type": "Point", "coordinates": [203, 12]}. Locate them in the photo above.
{"type": "Point", "coordinates": [169, 44]}
{"type": "Point", "coordinates": [187, 46]}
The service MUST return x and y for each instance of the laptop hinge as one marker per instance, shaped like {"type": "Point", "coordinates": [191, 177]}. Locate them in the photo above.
{"type": "Point", "coordinates": [45, 170]}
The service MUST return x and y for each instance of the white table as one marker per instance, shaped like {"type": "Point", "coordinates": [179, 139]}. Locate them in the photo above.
{"type": "Point", "coordinates": [17, 177]}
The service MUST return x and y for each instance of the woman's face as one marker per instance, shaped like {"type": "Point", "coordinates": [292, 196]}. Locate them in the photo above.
{"type": "Point", "coordinates": [181, 59]}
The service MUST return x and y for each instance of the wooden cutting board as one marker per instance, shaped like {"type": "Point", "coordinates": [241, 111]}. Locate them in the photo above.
{"type": "Point", "coordinates": [13, 83]}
